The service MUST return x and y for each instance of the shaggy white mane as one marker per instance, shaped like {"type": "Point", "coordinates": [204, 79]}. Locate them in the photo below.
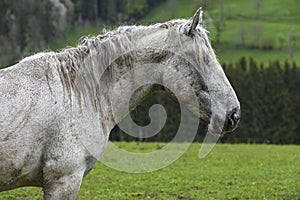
{"type": "Point", "coordinates": [80, 67]}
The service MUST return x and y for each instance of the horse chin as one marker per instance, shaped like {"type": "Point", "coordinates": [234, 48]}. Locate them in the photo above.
{"type": "Point", "coordinates": [226, 131]}
{"type": "Point", "coordinates": [215, 126]}
{"type": "Point", "coordinates": [216, 131]}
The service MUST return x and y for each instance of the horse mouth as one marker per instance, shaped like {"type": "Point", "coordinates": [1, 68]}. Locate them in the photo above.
{"type": "Point", "coordinates": [228, 129]}
{"type": "Point", "coordinates": [222, 124]}
{"type": "Point", "coordinates": [232, 120]}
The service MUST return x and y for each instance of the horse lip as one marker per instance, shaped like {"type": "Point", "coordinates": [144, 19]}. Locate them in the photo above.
{"type": "Point", "coordinates": [226, 130]}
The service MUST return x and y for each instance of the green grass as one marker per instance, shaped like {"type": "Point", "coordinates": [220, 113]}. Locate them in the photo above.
{"type": "Point", "coordinates": [169, 10]}
{"type": "Point", "coordinates": [229, 55]}
{"type": "Point", "coordinates": [228, 172]}
{"type": "Point", "coordinates": [277, 19]}
{"type": "Point", "coordinates": [228, 52]}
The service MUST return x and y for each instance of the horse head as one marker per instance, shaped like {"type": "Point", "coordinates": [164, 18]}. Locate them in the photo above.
{"type": "Point", "coordinates": [177, 55]}
{"type": "Point", "coordinates": [218, 104]}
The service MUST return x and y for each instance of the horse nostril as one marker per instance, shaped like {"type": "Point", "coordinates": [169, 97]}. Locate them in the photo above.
{"type": "Point", "coordinates": [233, 119]}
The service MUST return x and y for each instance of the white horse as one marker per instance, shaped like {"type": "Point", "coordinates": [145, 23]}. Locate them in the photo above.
{"type": "Point", "coordinates": [56, 109]}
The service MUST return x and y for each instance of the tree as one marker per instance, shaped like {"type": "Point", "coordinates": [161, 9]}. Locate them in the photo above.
{"type": "Point", "coordinates": [292, 44]}
{"type": "Point", "coordinates": [257, 5]}
{"type": "Point", "coordinates": [30, 26]}
{"type": "Point", "coordinates": [219, 21]}
{"type": "Point", "coordinates": [281, 40]}
{"type": "Point", "coordinates": [136, 8]}
{"type": "Point", "coordinates": [257, 33]}
{"type": "Point", "coordinates": [242, 33]}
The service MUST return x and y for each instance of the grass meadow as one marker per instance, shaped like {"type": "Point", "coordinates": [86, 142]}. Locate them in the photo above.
{"type": "Point", "coordinates": [230, 171]}
{"type": "Point", "coordinates": [276, 20]}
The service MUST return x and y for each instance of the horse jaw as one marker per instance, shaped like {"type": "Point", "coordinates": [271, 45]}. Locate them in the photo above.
{"type": "Point", "coordinates": [223, 99]}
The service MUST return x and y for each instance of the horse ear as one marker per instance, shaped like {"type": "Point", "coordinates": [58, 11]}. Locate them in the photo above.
{"type": "Point", "coordinates": [196, 20]}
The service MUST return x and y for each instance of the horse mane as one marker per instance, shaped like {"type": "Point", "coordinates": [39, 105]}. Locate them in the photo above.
{"type": "Point", "coordinates": [72, 63]}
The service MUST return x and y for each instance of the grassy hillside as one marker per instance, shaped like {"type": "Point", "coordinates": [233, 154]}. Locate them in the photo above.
{"type": "Point", "coordinates": [228, 172]}
{"type": "Point", "coordinates": [276, 22]}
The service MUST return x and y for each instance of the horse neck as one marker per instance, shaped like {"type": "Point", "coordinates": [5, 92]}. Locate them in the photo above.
{"type": "Point", "coordinates": [121, 74]}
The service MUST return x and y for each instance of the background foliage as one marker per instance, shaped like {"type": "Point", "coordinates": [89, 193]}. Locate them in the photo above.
{"type": "Point", "coordinates": [28, 26]}
{"type": "Point", "coordinates": [270, 101]}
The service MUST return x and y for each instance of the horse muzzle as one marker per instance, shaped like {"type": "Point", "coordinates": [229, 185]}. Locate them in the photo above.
{"type": "Point", "coordinates": [231, 121]}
